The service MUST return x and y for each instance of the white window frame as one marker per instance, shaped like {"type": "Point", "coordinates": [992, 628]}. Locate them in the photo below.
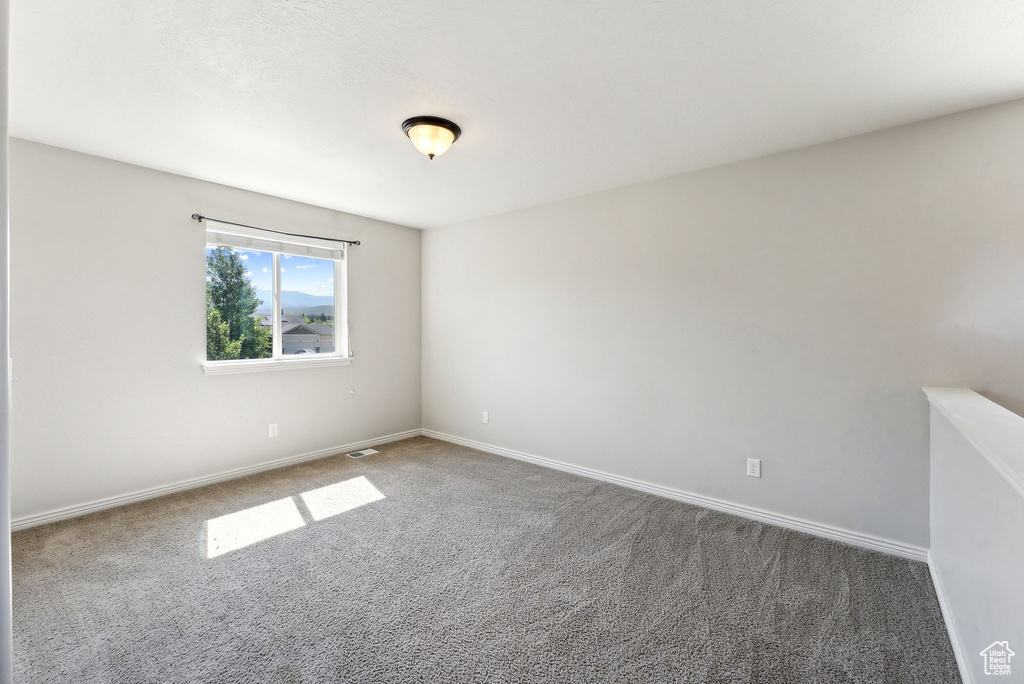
{"type": "Point", "coordinates": [339, 357]}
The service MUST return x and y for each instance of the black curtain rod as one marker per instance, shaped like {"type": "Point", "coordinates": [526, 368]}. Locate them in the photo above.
{"type": "Point", "coordinates": [201, 218]}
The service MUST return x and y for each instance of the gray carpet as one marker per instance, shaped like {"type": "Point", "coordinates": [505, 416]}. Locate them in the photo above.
{"type": "Point", "coordinates": [471, 568]}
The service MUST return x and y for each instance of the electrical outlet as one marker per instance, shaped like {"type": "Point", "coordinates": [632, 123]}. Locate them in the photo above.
{"type": "Point", "coordinates": [273, 429]}
{"type": "Point", "coordinates": [754, 467]}
{"type": "Point", "coordinates": [485, 416]}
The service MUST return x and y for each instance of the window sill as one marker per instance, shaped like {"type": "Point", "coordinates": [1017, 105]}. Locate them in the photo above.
{"type": "Point", "coordinates": [260, 365]}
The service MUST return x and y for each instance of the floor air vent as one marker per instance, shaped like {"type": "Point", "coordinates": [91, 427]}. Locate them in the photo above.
{"type": "Point", "coordinates": [364, 452]}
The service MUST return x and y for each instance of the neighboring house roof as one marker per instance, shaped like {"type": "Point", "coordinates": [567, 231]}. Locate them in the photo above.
{"type": "Point", "coordinates": [298, 329]}
{"type": "Point", "coordinates": [285, 320]}
{"type": "Point", "coordinates": [295, 325]}
{"type": "Point", "coordinates": [307, 329]}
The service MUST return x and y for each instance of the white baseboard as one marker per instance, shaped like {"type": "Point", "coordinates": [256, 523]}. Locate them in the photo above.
{"type": "Point", "coordinates": [111, 502]}
{"type": "Point", "coordinates": [866, 541]}
{"type": "Point", "coordinates": [829, 532]}
{"type": "Point", "coordinates": [947, 615]}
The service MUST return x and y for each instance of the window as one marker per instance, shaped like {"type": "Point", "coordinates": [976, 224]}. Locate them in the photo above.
{"type": "Point", "coordinates": [249, 276]}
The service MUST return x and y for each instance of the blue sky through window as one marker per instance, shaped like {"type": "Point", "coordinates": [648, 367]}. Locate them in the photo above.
{"type": "Point", "coordinates": [308, 275]}
{"type": "Point", "coordinates": [306, 282]}
{"type": "Point", "coordinates": [298, 274]}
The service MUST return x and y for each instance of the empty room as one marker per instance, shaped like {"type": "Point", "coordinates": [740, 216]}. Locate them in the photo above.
{"type": "Point", "coordinates": [571, 342]}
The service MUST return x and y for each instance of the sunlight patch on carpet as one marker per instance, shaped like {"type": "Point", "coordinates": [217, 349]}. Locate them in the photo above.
{"type": "Point", "coordinates": [237, 530]}
{"type": "Point", "coordinates": [244, 528]}
{"type": "Point", "coordinates": [338, 498]}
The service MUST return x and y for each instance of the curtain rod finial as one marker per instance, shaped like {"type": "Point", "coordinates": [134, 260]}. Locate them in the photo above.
{"type": "Point", "coordinates": [197, 217]}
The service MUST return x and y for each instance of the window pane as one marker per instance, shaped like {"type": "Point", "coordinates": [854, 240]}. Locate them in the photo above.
{"type": "Point", "coordinates": [307, 305]}
{"type": "Point", "coordinates": [238, 304]}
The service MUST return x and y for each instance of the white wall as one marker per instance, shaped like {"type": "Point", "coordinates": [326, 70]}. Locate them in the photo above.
{"type": "Point", "coordinates": [787, 308]}
{"type": "Point", "coordinates": [107, 263]}
{"type": "Point", "coordinates": [977, 505]}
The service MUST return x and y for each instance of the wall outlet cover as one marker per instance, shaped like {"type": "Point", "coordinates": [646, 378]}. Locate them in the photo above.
{"type": "Point", "coordinates": [754, 467]}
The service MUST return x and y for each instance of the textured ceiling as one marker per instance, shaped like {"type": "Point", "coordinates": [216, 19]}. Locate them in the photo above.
{"type": "Point", "coordinates": [304, 98]}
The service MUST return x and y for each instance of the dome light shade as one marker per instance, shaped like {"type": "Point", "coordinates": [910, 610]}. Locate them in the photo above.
{"type": "Point", "coordinates": [431, 135]}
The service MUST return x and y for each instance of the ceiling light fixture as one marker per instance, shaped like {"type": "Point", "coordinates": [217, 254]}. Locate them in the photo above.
{"type": "Point", "coordinates": [431, 135]}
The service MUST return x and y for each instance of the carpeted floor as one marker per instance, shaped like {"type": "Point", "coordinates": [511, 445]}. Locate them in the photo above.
{"type": "Point", "coordinates": [430, 562]}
